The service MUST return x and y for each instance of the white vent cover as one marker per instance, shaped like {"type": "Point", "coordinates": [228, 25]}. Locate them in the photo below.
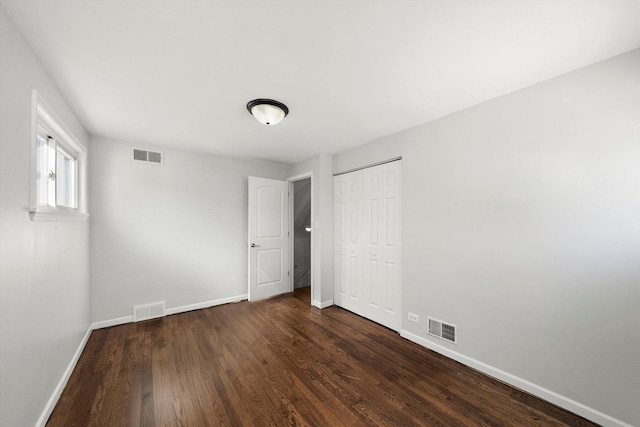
{"type": "Point", "coordinates": [147, 156]}
{"type": "Point", "coordinates": [148, 311]}
{"type": "Point", "coordinates": [440, 329]}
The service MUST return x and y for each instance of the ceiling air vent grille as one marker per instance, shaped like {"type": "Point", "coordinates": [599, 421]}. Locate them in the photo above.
{"type": "Point", "coordinates": [440, 329]}
{"type": "Point", "coordinates": [147, 156]}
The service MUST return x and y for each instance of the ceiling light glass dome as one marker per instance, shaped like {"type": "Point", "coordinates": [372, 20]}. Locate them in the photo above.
{"type": "Point", "coordinates": [267, 111]}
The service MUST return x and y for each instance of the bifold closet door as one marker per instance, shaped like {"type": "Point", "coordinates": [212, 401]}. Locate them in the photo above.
{"type": "Point", "coordinates": [367, 243]}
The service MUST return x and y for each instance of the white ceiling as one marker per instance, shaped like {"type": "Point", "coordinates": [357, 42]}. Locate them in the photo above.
{"type": "Point", "coordinates": [179, 73]}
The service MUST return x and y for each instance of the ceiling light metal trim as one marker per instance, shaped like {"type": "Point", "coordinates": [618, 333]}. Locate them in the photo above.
{"type": "Point", "coordinates": [267, 102]}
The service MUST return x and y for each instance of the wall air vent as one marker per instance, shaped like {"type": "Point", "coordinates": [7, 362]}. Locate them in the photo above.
{"type": "Point", "coordinates": [147, 156]}
{"type": "Point", "coordinates": [148, 311]}
{"type": "Point", "coordinates": [440, 329]}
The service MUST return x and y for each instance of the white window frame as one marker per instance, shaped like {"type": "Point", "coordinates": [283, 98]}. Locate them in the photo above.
{"type": "Point", "coordinates": [45, 122]}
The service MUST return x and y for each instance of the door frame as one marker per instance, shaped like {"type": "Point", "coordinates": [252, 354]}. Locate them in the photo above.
{"type": "Point", "coordinates": [291, 180]}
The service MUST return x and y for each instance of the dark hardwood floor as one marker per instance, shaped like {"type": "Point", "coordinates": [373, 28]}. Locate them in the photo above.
{"type": "Point", "coordinates": [281, 362]}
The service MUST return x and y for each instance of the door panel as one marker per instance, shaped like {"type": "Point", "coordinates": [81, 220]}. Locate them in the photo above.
{"type": "Point", "coordinates": [268, 240]}
{"type": "Point", "coordinates": [367, 233]}
{"type": "Point", "coordinates": [341, 275]}
{"type": "Point", "coordinates": [269, 266]}
{"type": "Point", "coordinates": [347, 193]}
{"type": "Point", "coordinates": [374, 283]}
{"type": "Point", "coordinates": [270, 207]}
{"type": "Point", "coordinates": [391, 289]}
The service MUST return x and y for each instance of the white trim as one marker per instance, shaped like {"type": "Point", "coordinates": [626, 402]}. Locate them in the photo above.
{"type": "Point", "coordinates": [176, 310]}
{"type": "Point", "coordinates": [322, 305]}
{"type": "Point", "coordinates": [534, 389]}
{"type": "Point", "coordinates": [57, 392]}
{"type": "Point", "coordinates": [300, 177]}
{"type": "Point", "coordinates": [112, 322]}
{"type": "Point", "coordinates": [54, 122]}
{"type": "Point", "coordinates": [291, 233]}
{"type": "Point", "coordinates": [33, 184]}
{"type": "Point", "coordinates": [42, 213]}
{"type": "Point", "coordinates": [206, 304]}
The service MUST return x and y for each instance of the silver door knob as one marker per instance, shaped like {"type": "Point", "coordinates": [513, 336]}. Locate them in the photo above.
{"type": "Point", "coordinates": [253, 245]}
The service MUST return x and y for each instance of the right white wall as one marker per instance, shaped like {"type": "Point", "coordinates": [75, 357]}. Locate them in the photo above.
{"type": "Point", "coordinates": [521, 225]}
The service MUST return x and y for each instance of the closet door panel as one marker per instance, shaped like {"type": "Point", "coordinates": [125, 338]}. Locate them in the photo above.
{"type": "Point", "coordinates": [347, 233]}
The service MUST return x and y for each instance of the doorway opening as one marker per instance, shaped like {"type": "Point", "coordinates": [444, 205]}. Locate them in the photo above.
{"type": "Point", "coordinates": [301, 236]}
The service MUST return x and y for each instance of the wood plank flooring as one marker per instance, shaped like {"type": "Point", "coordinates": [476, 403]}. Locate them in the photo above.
{"type": "Point", "coordinates": [282, 362]}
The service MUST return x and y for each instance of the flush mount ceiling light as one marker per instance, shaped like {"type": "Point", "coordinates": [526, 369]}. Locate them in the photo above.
{"type": "Point", "coordinates": [267, 111]}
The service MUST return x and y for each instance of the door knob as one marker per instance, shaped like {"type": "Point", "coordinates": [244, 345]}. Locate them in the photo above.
{"type": "Point", "coordinates": [253, 245]}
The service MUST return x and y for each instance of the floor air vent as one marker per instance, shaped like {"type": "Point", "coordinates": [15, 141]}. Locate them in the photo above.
{"type": "Point", "coordinates": [440, 329]}
{"type": "Point", "coordinates": [148, 311]}
{"type": "Point", "coordinates": [147, 156]}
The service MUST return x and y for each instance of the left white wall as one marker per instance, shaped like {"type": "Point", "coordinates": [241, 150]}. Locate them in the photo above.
{"type": "Point", "coordinates": [44, 266]}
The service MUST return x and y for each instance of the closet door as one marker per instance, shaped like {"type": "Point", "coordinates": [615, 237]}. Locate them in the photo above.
{"type": "Point", "coordinates": [381, 233]}
{"type": "Point", "coordinates": [367, 243]}
{"type": "Point", "coordinates": [347, 216]}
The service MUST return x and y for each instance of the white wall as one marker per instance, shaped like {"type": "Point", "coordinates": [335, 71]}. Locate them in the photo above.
{"type": "Point", "coordinates": [521, 225]}
{"type": "Point", "coordinates": [322, 228]}
{"type": "Point", "coordinates": [174, 233]}
{"type": "Point", "coordinates": [44, 266]}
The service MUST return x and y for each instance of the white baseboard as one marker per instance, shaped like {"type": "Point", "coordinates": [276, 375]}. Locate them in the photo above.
{"type": "Point", "coordinates": [57, 392]}
{"type": "Point", "coordinates": [206, 304]}
{"type": "Point", "coordinates": [321, 305]}
{"type": "Point", "coordinates": [534, 389]}
{"type": "Point", "coordinates": [128, 319]}
{"type": "Point", "coordinates": [112, 322]}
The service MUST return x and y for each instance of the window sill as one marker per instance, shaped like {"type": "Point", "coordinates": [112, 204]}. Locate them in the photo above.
{"type": "Point", "coordinates": [57, 215]}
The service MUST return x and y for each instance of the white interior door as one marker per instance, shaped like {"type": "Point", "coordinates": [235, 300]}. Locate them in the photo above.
{"type": "Point", "coordinates": [381, 234]}
{"type": "Point", "coordinates": [347, 229]}
{"type": "Point", "coordinates": [268, 238]}
{"type": "Point", "coordinates": [367, 243]}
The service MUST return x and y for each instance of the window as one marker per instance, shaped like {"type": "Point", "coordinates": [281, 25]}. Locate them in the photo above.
{"type": "Point", "coordinates": [56, 173]}
{"type": "Point", "coordinates": [58, 168]}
